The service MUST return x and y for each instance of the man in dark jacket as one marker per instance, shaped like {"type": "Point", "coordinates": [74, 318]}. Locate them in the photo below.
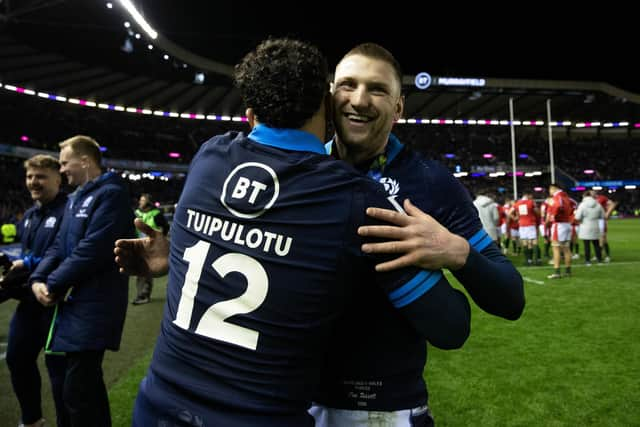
{"type": "Point", "coordinates": [79, 275]}
{"type": "Point", "coordinates": [30, 322]}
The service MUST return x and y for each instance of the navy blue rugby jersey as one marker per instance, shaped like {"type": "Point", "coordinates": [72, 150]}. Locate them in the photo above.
{"type": "Point", "coordinates": [264, 254]}
{"type": "Point", "coordinates": [377, 358]}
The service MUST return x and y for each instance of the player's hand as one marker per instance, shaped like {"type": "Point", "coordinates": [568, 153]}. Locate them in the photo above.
{"type": "Point", "coordinates": [17, 265]}
{"type": "Point", "coordinates": [422, 241]}
{"type": "Point", "coordinates": [14, 275]}
{"type": "Point", "coordinates": [143, 256]}
{"type": "Point", "coordinates": [43, 295]}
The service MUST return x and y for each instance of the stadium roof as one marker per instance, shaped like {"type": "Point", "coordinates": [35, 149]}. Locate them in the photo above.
{"type": "Point", "coordinates": [75, 49]}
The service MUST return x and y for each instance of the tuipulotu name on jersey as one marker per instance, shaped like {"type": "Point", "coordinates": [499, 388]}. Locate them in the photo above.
{"type": "Point", "coordinates": [229, 231]}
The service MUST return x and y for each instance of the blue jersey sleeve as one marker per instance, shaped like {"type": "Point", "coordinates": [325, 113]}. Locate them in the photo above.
{"type": "Point", "coordinates": [491, 280]}
{"type": "Point", "coordinates": [437, 311]}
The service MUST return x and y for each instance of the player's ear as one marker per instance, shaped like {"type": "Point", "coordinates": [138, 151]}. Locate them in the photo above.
{"type": "Point", "coordinates": [251, 117]}
{"type": "Point", "coordinates": [399, 108]}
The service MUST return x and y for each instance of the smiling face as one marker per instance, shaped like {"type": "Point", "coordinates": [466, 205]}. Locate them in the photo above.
{"type": "Point", "coordinates": [74, 167]}
{"type": "Point", "coordinates": [367, 101]}
{"type": "Point", "coordinates": [42, 183]}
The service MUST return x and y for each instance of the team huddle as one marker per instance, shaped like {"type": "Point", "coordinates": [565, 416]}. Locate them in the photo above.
{"type": "Point", "coordinates": [561, 221]}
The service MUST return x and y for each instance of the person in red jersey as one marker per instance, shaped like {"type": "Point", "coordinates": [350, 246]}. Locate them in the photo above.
{"type": "Point", "coordinates": [511, 227]}
{"type": "Point", "coordinates": [608, 205]}
{"type": "Point", "coordinates": [559, 214]}
{"type": "Point", "coordinates": [527, 214]}
{"type": "Point", "coordinates": [502, 225]}
{"type": "Point", "coordinates": [545, 230]}
{"type": "Point", "coordinates": [574, 246]}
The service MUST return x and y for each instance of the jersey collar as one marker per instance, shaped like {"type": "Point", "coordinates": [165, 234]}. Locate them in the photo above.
{"type": "Point", "coordinates": [288, 139]}
{"type": "Point", "coordinates": [379, 162]}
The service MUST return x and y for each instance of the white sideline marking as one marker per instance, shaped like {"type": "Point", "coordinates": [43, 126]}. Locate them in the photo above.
{"type": "Point", "coordinates": [3, 355]}
{"type": "Point", "coordinates": [580, 264]}
{"type": "Point", "coordinates": [528, 279]}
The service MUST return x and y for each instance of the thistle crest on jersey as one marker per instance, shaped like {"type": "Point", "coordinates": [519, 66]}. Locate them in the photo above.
{"type": "Point", "coordinates": [391, 186]}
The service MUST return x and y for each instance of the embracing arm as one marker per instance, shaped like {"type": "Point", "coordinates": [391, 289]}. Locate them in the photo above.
{"type": "Point", "coordinates": [492, 281]}
{"type": "Point", "coordinates": [437, 311]}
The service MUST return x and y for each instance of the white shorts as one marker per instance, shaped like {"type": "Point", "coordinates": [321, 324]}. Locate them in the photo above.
{"type": "Point", "coordinates": [560, 232]}
{"type": "Point", "coordinates": [528, 232]}
{"type": "Point", "coordinates": [330, 417]}
{"type": "Point", "coordinates": [541, 229]}
{"type": "Point", "coordinates": [503, 229]}
{"type": "Point", "coordinates": [601, 226]}
{"type": "Point", "coordinates": [514, 233]}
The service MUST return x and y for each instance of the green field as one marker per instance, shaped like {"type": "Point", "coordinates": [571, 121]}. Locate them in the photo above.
{"type": "Point", "coordinates": [573, 359]}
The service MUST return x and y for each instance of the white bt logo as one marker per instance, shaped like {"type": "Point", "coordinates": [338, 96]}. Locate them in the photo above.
{"type": "Point", "coordinates": [240, 190]}
{"type": "Point", "coordinates": [246, 188]}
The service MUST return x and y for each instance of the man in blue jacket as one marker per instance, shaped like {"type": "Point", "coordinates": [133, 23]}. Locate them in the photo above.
{"type": "Point", "coordinates": [30, 322]}
{"type": "Point", "coordinates": [79, 275]}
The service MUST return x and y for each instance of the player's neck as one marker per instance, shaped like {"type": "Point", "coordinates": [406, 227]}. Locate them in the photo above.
{"type": "Point", "coordinates": [316, 125]}
{"type": "Point", "coordinates": [357, 155]}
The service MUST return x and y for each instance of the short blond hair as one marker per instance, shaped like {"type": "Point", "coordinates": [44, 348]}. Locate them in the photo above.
{"type": "Point", "coordinates": [82, 145]}
{"type": "Point", "coordinates": [42, 161]}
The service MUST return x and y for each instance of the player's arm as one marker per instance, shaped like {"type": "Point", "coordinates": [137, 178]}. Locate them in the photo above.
{"type": "Point", "coordinates": [110, 217]}
{"type": "Point", "coordinates": [439, 312]}
{"type": "Point", "coordinates": [420, 240]}
{"type": "Point", "coordinates": [490, 278]}
{"type": "Point", "coordinates": [49, 261]}
{"type": "Point", "coordinates": [611, 205]}
{"type": "Point", "coordinates": [495, 216]}
{"type": "Point", "coordinates": [514, 214]}
{"type": "Point", "coordinates": [143, 256]}
{"type": "Point", "coordinates": [552, 210]}
{"type": "Point", "coordinates": [493, 282]}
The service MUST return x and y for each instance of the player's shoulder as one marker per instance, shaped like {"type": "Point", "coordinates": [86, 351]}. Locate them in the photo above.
{"type": "Point", "coordinates": [217, 142]}
{"type": "Point", "coordinates": [30, 212]}
{"type": "Point", "coordinates": [429, 172]}
{"type": "Point", "coordinates": [427, 165]}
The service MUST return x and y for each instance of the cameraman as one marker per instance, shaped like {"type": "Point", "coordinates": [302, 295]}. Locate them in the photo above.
{"type": "Point", "coordinates": [30, 323]}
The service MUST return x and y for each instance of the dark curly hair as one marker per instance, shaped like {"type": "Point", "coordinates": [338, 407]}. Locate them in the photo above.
{"type": "Point", "coordinates": [284, 81]}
